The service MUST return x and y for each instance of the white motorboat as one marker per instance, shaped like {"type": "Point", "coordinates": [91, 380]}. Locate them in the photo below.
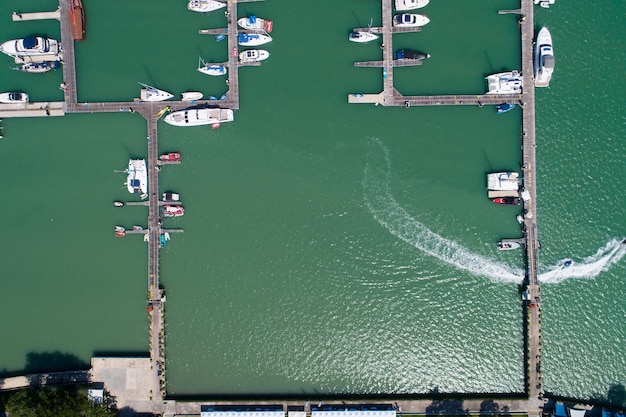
{"type": "Point", "coordinates": [171, 197]}
{"type": "Point", "coordinates": [256, 23]}
{"type": "Point", "coordinates": [510, 82]}
{"type": "Point", "coordinates": [199, 117]}
{"type": "Point", "coordinates": [191, 96]}
{"type": "Point", "coordinates": [253, 55]}
{"type": "Point", "coordinates": [137, 180]}
{"type": "Point", "coordinates": [544, 58]}
{"type": "Point", "coordinates": [362, 36]}
{"type": "Point", "coordinates": [30, 46]}
{"type": "Point", "coordinates": [507, 245]}
{"type": "Point", "coordinates": [215, 70]}
{"type": "Point", "coordinates": [503, 181]}
{"type": "Point", "coordinates": [402, 5]}
{"type": "Point", "coordinates": [38, 67]}
{"type": "Point", "coordinates": [253, 39]}
{"type": "Point", "coordinates": [205, 6]}
{"type": "Point", "coordinates": [149, 93]}
{"type": "Point", "coordinates": [410, 20]}
{"type": "Point", "coordinates": [13, 98]}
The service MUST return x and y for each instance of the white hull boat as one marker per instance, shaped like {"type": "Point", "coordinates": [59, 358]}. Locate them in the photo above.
{"type": "Point", "coordinates": [362, 36]}
{"type": "Point", "coordinates": [137, 180]}
{"type": "Point", "coordinates": [544, 58]}
{"type": "Point", "coordinates": [191, 96]}
{"type": "Point", "coordinates": [510, 82]}
{"type": "Point", "coordinates": [410, 20]}
{"type": "Point", "coordinates": [199, 117]}
{"type": "Point", "coordinates": [30, 46]}
{"type": "Point", "coordinates": [503, 181]}
{"type": "Point", "coordinates": [149, 93]}
{"type": "Point", "coordinates": [215, 70]}
{"type": "Point", "coordinates": [13, 98]}
{"type": "Point", "coordinates": [402, 5]}
{"type": "Point", "coordinates": [507, 245]}
{"type": "Point", "coordinates": [205, 6]}
{"type": "Point", "coordinates": [253, 39]}
{"type": "Point", "coordinates": [253, 55]}
{"type": "Point", "coordinates": [255, 23]}
{"type": "Point", "coordinates": [38, 67]}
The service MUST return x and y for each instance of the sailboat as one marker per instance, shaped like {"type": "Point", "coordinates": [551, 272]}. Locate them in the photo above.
{"type": "Point", "coordinates": [211, 69]}
{"type": "Point", "coordinates": [363, 36]}
{"type": "Point", "coordinates": [149, 93]}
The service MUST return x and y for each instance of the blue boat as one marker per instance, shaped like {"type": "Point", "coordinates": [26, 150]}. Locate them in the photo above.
{"type": "Point", "coordinates": [504, 107]}
{"type": "Point", "coordinates": [219, 38]}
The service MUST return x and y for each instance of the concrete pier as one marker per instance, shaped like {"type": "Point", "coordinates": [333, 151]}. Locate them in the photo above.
{"type": "Point", "coordinates": [18, 17]}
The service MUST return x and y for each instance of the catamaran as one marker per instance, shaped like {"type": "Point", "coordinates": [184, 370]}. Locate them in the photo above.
{"type": "Point", "coordinates": [509, 82]}
{"type": "Point", "coordinates": [137, 180]}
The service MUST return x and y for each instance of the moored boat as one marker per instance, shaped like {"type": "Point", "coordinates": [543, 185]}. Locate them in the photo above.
{"type": "Point", "coordinates": [510, 201]}
{"type": "Point", "coordinates": [509, 82]}
{"type": "Point", "coordinates": [38, 67]}
{"type": "Point", "coordinates": [211, 69]}
{"type": "Point", "coordinates": [13, 97]}
{"type": "Point", "coordinates": [205, 6]}
{"type": "Point", "coordinates": [173, 211]}
{"type": "Point", "coordinates": [507, 245]}
{"type": "Point", "coordinates": [503, 181]}
{"type": "Point", "coordinates": [149, 93]}
{"type": "Point", "coordinates": [137, 179]}
{"type": "Point", "coordinates": [199, 117]}
{"type": "Point", "coordinates": [411, 55]}
{"type": "Point", "coordinates": [410, 20]}
{"type": "Point", "coordinates": [118, 204]}
{"type": "Point", "coordinates": [253, 55]}
{"type": "Point", "coordinates": [170, 157]}
{"type": "Point", "coordinates": [191, 96]}
{"type": "Point", "coordinates": [402, 5]}
{"type": "Point", "coordinates": [255, 23]}
{"type": "Point", "coordinates": [253, 39]}
{"type": "Point", "coordinates": [171, 197]}
{"type": "Point", "coordinates": [504, 107]}
{"type": "Point", "coordinates": [544, 58]}
{"type": "Point", "coordinates": [362, 36]}
{"type": "Point", "coordinates": [77, 20]}
{"type": "Point", "coordinates": [30, 46]}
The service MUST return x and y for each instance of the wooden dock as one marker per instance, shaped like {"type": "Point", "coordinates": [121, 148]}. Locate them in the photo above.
{"type": "Point", "coordinates": [395, 63]}
{"type": "Point", "coordinates": [18, 17]}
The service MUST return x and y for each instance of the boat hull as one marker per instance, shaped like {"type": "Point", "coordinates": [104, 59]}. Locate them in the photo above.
{"type": "Point", "coordinates": [137, 180]}
{"type": "Point", "coordinates": [254, 55]}
{"type": "Point", "coordinates": [205, 6]}
{"type": "Point", "coordinates": [509, 82]}
{"type": "Point", "coordinates": [191, 96]}
{"type": "Point", "coordinates": [149, 93]}
{"type": "Point", "coordinates": [213, 70]}
{"type": "Point", "coordinates": [13, 98]}
{"type": "Point", "coordinates": [360, 36]}
{"type": "Point", "coordinates": [402, 5]}
{"type": "Point", "coordinates": [77, 20]}
{"type": "Point", "coordinates": [253, 39]}
{"type": "Point", "coordinates": [30, 46]}
{"type": "Point", "coordinates": [39, 67]}
{"type": "Point", "coordinates": [544, 58]}
{"type": "Point", "coordinates": [255, 23]}
{"type": "Point", "coordinates": [199, 117]}
{"type": "Point", "coordinates": [507, 245]}
{"type": "Point", "coordinates": [410, 20]}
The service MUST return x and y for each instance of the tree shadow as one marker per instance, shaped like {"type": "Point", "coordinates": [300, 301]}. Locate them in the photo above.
{"type": "Point", "coordinates": [130, 412]}
{"type": "Point", "coordinates": [444, 406]}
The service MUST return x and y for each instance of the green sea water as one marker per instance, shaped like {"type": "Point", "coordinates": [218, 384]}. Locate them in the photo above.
{"type": "Point", "coordinates": [328, 248]}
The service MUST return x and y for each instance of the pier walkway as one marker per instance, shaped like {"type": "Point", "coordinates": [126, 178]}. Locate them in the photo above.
{"type": "Point", "coordinates": [45, 379]}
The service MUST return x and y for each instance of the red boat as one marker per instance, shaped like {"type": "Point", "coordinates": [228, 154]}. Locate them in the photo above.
{"type": "Point", "coordinates": [170, 157]}
{"type": "Point", "coordinates": [77, 19]}
{"type": "Point", "coordinates": [511, 201]}
{"type": "Point", "coordinates": [173, 211]}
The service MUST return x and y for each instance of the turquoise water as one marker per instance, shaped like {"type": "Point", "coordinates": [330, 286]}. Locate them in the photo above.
{"type": "Point", "coordinates": [328, 248]}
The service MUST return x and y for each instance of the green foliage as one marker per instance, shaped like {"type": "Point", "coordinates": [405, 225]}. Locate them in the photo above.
{"type": "Point", "coordinates": [48, 402]}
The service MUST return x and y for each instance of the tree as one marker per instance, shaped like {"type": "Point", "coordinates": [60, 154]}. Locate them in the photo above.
{"type": "Point", "coordinates": [49, 402]}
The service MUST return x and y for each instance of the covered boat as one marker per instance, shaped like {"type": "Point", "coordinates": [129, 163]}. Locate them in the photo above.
{"type": "Point", "coordinates": [171, 197]}
{"type": "Point", "coordinates": [30, 46]}
{"type": "Point", "coordinates": [256, 23]}
{"type": "Point", "coordinates": [170, 157]}
{"type": "Point", "coordinates": [205, 6]}
{"type": "Point", "coordinates": [509, 82]}
{"type": "Point", "coordinates": [507, 245]}
{"type": "Point", "coordinates": [362, 36]}
{"type": "Point", "coordinates": [137, 180]}
{"type": "Point", "coordinates": [212, 69]}
{"type": "Point", "coordinates": [253, 55]}
{"type": "Point", "coordinates": [402, 5]}
{"type": "Point", "coordinates": [13, 97]}
{"type": "Point", "coordinates": [77, 19]}
{"type": "Point", "coordinates": [149, 93]}
{"type": "Point", "coordinates": [253, 39]}
{"type": "Point", "coordinates": [511, 201]}
{"type": "Point", "coordinates": [410, 20]}
{"type": "Point", "coordinates": [38, 67]}
{"type": "Point", "coordinates": [544, 58]}
{"type": "Point", "coordinates": [173, 211]}
{"type": "Point", "coordinates": [503, 181]}
{"type": "Point", "coordinates": [191, 96]}
{"type": "Point", "coordinates": [199, 117]}
{"type": "Point", "coordinates": [504, 107]}
{"type": "Point", "coordinates": [411, 55]}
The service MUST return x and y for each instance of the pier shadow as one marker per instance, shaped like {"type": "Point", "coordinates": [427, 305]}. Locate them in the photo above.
{"type": "Point", "coordinates": [614, 399]}
{"type": "Point", "coordinates": [42, 362]}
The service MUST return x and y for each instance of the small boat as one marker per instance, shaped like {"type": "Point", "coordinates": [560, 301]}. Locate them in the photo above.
{"type": "Point", "coordinates": [120, 233]}
{"type": "Point", "coordinates": [253, 39]}
{"type": "Point", "coordinates": [362, 36]}
{"type": "Point", "coordinates": [502, 245]}
{"type": "Point", "coordinates": [219, 38]}
{"type": "Point", "coordinates": [137, 228]}
{"type": "Point", "coordinates": [503, 181]}
{"type": "Point", "coordinates": [509, 82]}
{"type": "Point", "coordinates": [173, 211]}
{"type": "Point", "coordinates": [411, 55]}
{"type": "Point", "coordinates": [170, 157]}
{"type": "Point", "coordinates": [149, 93]}
{"type": "Point", "coordinates": [137, 180]}
{"type": "Point", "coordinates": [623, 242]}
{"type": "Point", "coordinates": [510, 201]}
{"type": "Point", "coordinates": [504, 107]}
{"type": "Point", "coordinates": [211, 69]}
{"type": "Point", "coordinates": [30, 46]}
{"type": "Point", "coordinates": [77, 20]}
{"type": "Point", "coordinates": [256, 23]}
{"type": "Point", "coordinates": [205, 6]}
{"type": "Point", "coordinates": [402, 5]}
{"type": "Point", "coordinates": [253, 55]}
{"type": "Point", "coordinates": [191, 96]}
{"type": "Point", "coordinates": [13, 97]}
{"type": "Point", "coordinates": [162, 240]}
{"type": "Point", "coordinates": [163, 111]}
{"type": "Point", "coordinates": [410, 20]}
{"type": "Point", "coordinates": [118, 204]}
{"type": "Point", "coordinates": [565, 263]}
{"type": "Point", "coordinates": [38, 67]}
{"type": "Point", "coordinates": [199, 117]}
{"type": "Point", "coordinates": [544, 58]}
{"type": "Point", "coordinates": [171, 197]}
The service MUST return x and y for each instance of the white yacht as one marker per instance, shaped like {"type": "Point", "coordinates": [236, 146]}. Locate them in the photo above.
{"type": "Point", "coordinates": [255, 23]}
{"type": "Point", "coordinates": [253, 39]}
{"type": "Point", "coordinates": [13, 98]}
{"type": "Point", "coordinates": [362, 36]}
{"type": "Point", "coordinates": [544, 58]}
{"type": "Point", "coordinates": [205, 6]}
{"type": "Point", "coordinates": [215, 70]}
{"type": "Point", "coordinates": [402, 5]}
{"type": "Point", "coordinates": [149, 93]}
{"type": "Point", "coordinates": [410, 20]}
{"type": "Point", "coordinates": [191, 96]}
{"type": "Point", "coordinates": [505, 83]}
{"type": "Point", "coordinates": [137, 180]}
{"type": "Point", "coordinates": [199, 117]}
{"type": "Point", "coordinates": [30, 46]}
{"type": "Point", "coordinates": [503, 181]}
{"type": "Point", "coordinates": [253, 55]}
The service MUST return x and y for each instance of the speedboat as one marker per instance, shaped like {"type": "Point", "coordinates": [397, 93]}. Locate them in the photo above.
{"type": "Point", "coordinates": [256, 23]}
{"type": "Point", "coordinates": [503, 181]}
{"type": "Point", "coordinates": [253, 39]}
{"type": "Point", "coordinates": [170, 157]}
{"type": "Point", "coordinates": [13, 97]}
{"type": "Point", "coordinates": [30, 46]}
{"type": "Point", "coordinates": [411, 55]}
{"type": "Point", "coordinates": [191, 96]}
{"type": "Point", "coordinates": [402, 5]}
{"type": "Point", "coordinates": [565, 263]}
{"type": "Point", "coordinates": [504, 107]}
{"type": "Point", "coordinates": [510, 201]}
{"type": "Point", "coordinates": [212, 69]}
{"type": "Point", "coordinates": [137, 180]}
{"type": "Point", "coordinates": [118, 204]}
{"type": "Point", "coordinates": [502, 245]}
{"type": "Point", "coordinates": [38, 67]}
{"type": "Point", "coordinates": [362, 36]}
{"type": "Point", "coordinates": [149, 93]}
{"type": "Point", "coordinates": [120, 231]}
{"type": "Point", "coordinates": [410, 20]}
{"type": "Point", "coordinates": [199, 117]}
{"type": "Point", "coordinates": [173, 211]}
{"type": "Point", "coordinates": [205, 6]}
{"type": "Point", "coordinates": [171, 197]}
{"type": "Point", "coordinates": [544, 58]}
{"type": "Point", "coordinates": [253, 55]}
{"type": "Point", "coordinates": [509, 82]}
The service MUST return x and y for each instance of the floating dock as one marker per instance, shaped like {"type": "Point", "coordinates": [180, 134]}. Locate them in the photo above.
{"type": "Point", "coordinates": [18, 17]}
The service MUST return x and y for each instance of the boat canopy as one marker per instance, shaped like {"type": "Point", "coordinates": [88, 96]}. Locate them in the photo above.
{"type": "Point", "coordinates": [548, 61]}
{"type": "Point", "coordinates": [252, 19]}
{"type": "Point", "coordinates": [559, 410]}
{"type": "Point", "coordinates": [30, 42]}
